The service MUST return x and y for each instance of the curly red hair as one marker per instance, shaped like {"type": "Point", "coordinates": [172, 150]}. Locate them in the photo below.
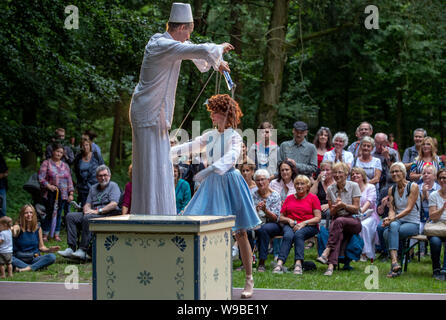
{"type": "Point", "coordinates": [223, 103]}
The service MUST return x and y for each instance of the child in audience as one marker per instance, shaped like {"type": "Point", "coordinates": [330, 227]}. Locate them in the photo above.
{"type": "Point", "coordinates": [5, 246]}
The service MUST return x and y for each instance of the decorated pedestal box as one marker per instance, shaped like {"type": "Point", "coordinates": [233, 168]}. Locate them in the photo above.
{"type": "Point", "coordinates": [162, 257]}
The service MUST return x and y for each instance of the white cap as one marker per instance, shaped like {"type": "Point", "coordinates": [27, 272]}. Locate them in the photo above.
{"type": "Point", "coordinates": [181, 13]}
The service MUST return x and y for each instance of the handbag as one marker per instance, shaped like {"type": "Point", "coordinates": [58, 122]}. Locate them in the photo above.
{"type": "Point", "coordinates": [435, 229]}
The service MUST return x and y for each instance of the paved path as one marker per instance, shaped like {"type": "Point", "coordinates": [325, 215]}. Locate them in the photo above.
{"type": "Point", "coordinates": [17, 290]}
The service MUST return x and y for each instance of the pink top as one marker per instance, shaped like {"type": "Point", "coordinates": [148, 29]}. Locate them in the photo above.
{"type": "Point", "coordinates": [127, 201]}
{"type": "Point", "coordinates": [300, 209]}
{"type": "Point", "coordinates": [369, 194]}
{"type": "Point", "coordinates": [57, 175]}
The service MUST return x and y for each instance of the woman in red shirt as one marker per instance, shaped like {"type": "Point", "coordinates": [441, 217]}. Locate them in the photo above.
{"type": "Point", "coordinates": [300, 215]}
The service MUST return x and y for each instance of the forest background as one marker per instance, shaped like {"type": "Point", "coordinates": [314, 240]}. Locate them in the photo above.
{"type": "Point", "coordinates": [311, 60]}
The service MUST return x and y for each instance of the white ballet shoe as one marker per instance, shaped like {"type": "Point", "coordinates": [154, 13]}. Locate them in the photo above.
{"type": "Point", "coordinates": [248, 291]}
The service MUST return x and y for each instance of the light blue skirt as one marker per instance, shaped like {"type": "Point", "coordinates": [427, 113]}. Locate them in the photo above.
{"type": "Point", "coordinates": [224, 195]}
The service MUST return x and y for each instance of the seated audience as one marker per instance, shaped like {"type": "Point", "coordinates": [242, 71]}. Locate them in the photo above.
{"type": "Point", "coordinates": [427, 155]}
{"type": "Point", "coordinates": [319, 188]}
{"type": "Point", "coordinates": [85, 164]}
{"type": "Point", "coordinates": [437, 212]}
{"type": "Point", "coordinates": [338, 154]}
{"type": "Point", "coordinates": [284, 185]}
{"type": "Point", "coordinates": [264, 153]}
{"type": "Point", "coordinates": [404, 214]}
{"type": "Point", "coordinates": [367, 211]}
{"type": "Point", "coordinates": [182, 190]}
{"type": "Point", "coordinates": [323, 143]}
{"type": "Point", "coordinates": [365, 129]}
{"type": "Point", "coordinates": [102, 201]}
{"type": "Point", "coordinates": [387, 156]}
{"type": "Point", "coordinates": [28, 243]}
{"type": "Point", "coordinates": [268, 204]}
{"type": "Point", "coordinates": [429, 185]}
{"type": "Point", "coordinates": [370, 164]}
{"type": "Point", "coordinates": [127, 200]}
{"type": "Point", "coordinates": [300, 216]}
{"type": "Point", "coordinates": [343, 199]}
{"type": "Point", "coordinates": [247, 170]}
{"type": "Point", "coordinates": [412, 152]}
{"type": "Point", "coordinates": [55, 181]}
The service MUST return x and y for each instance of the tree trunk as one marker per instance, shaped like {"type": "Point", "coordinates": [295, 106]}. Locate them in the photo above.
{"type": "Point", "coordinates": [399, 117]}
{"type": "Point", "coordinates": [440, 129]}
{"type": "Point", "coordinates": [118, 122]}
{"type": "Point", "coordinates": [274, 62]}
{"type": "Point", "coordinates": [28, 159]}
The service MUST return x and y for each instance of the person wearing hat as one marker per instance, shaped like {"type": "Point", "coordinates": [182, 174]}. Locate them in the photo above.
{"type": "Point", "coordinates": [299, 151]}
{"type": "Point", "coordinates": [152, 106]}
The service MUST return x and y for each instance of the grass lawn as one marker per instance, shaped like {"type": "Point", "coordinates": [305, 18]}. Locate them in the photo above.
{"type": "Point", "coordinates": [417, 279]}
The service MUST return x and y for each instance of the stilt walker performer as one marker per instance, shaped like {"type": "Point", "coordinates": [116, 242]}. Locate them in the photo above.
{"type": "Point", "coordinates": [152, 107]}
{"type": "Point", "coordinates": [223, 191]}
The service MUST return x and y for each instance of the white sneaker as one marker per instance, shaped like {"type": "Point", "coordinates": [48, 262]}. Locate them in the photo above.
{"type": "Point", "coordinates": [79, 254]}
{"type": "Point", "coordinates": [66, 253]}
{"type": "Point", "coordinates": [88, 258]}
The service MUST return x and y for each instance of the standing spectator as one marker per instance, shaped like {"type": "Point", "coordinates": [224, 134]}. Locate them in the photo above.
{"type": "Point", "coordinates": [299, 151]}
{"type": "Point", "coordinates": [437, 212]}
{"type": "Point", "coordinates": [370, 164]}
{"type": "Point", "coordinates": [284, 185]}
{"type": "Point", "coordinates": [28, 243]}
{"type": "Point", "coordinates": [247, 170]}
{"type": "Point", "coordinates": [319, 188]}
{"type": "Point", "coordinates": [300, 216]}
{"type": "Point", "coordinates": [182, 190]}
{"type": "Point", "coordinates": [323, 143]}
{"type": "Point", "coordinates": [102, 201]}
{"type": "Point", "coordinates": [367, 208]}
{"type": "Point", "coordinates": [387, 156]}
{"type": "Point", "coordinates": [338, 154]}
{"type": "Point", "coordinates": [6, 248]}
{"type": "Point", "coordinates": [412, 152]}
{"type": "Point", "coordinates": [265, 151]}
{"type": "Point", "coordinates": [59, 137]}
{"type": "Point", "coordinates": [85, 165]}
{"type": "Point", "coordinates": [3, 185]}
{"type": "Point", "coordinates": [392, 143]}
{"type": "Point", "coordinates": [404, 214]}
{"type": "Point", "coordinates": [365, 129]}
{"type": "Point", "coordinates": [91, 135]}
{"type": "Point", "coordinates": [343, 199]}
{"type": "Point", "coordinates": [427, 155]}
{"type": "Point", "coordinates": [55, 176]}
{"type": "Point", "coordinates": [127, 200]}
{"type": "Point", "coordinates": [268, 204]}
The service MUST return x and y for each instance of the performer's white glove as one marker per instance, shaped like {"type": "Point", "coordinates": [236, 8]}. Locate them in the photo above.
{"type": "Point", "coordinates": [200, 176]}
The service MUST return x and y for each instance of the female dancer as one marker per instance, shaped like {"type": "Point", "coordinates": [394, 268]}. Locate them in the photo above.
{"type": "Point", "coordinates": [223, 191]}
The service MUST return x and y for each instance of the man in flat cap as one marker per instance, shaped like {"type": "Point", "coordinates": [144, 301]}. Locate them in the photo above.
{"type": "Point", "coordinates": [299, 151]}
{"type": "Point", "coordinates": [152, 107]}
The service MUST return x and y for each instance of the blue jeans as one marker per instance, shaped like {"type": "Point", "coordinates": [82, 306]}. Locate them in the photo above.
{"type": "Point", "coordinates": [264, 234]}
{"type": "Point", "coordinates": [382, 243]}
{"type": "Point", "coordinates": [46, 223]}
{"type": "Point", "coordinates": [398, 231]}
{"type": "Point", "coordinates": [298, 237]}
{"type": "Point", "coordinates": [436, 244]}
{"type": "Point", "coordinates": [37, 263]}
{"type": "Point", "coordinates": [3, 208]}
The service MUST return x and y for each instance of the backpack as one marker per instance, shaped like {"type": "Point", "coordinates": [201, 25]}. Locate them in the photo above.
{"type": "Point", "coordinates": [409, 185]}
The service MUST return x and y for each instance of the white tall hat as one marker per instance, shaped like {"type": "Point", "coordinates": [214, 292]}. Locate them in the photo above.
{"type": "Point", "coordinates": [181, 13]}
